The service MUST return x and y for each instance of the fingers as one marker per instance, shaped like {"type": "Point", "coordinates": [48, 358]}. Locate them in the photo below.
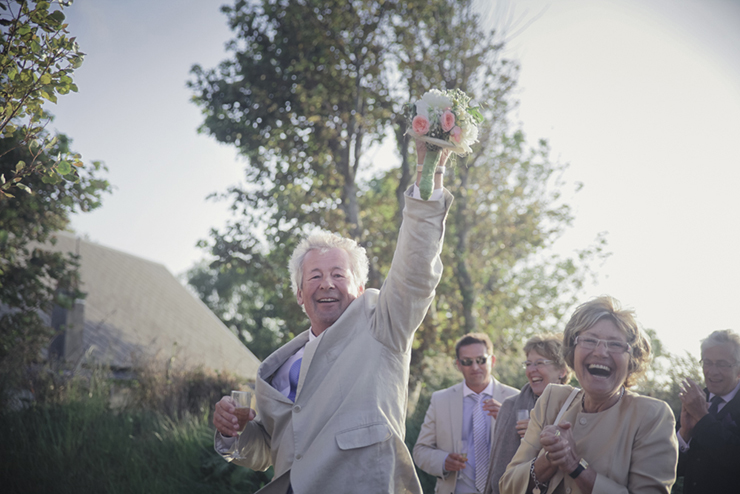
{"type": "Point", "coordinates": [454, 462]}
{"type": "Point", "coordinates": [224, 419]}
{"type": "Point", "coordinates": [521, 427]}
{"type": "Point", "coordinates": [564, 426]}
{"type": "Point", "coordinates": [421, 151]}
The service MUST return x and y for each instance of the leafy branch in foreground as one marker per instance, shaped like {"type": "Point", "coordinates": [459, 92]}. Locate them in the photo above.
{"type": "Point", "coordinates": [37, 58]}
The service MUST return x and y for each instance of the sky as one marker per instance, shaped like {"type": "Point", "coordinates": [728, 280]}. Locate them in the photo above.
{"type": "Point", "coordinates": [640, 98]}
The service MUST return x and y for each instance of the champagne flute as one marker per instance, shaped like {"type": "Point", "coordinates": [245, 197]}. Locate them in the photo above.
{"type": "Point", "coordinates": [243, 402]}
{"type": "Point", "coordinates": [522, 414]}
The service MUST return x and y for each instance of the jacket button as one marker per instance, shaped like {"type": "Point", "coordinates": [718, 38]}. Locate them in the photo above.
{"type": "Point", "coordinates": [297, 408]}
{"type": "Point", "coordinates": [298, 457]}
{"type": "Point", "coordinates": [582, 421]}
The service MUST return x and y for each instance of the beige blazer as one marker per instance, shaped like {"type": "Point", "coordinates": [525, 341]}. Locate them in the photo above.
{"type": "Point", "coordinates": [442, 429]}
{"type": "Point", "coordinates": [632, 446]}
{"type": "Point", "coordinates": [345, 431]}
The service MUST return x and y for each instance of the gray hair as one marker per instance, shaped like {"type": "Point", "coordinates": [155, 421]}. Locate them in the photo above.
{"type": "Point", "coordinates": [723, 337]}
{"type": "Point", "coordinates": [324, 241]}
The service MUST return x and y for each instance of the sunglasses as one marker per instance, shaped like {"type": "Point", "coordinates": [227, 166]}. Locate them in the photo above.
{"type": "Point", "coordinates": [467, 362]}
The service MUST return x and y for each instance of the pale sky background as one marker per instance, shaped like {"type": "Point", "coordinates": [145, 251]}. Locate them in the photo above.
{"type": "Point", "coordinates": [642, 98]}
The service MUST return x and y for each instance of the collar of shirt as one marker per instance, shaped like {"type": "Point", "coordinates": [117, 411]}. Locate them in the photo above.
{"type": "Point", "coordinates": [488, 391]}
{"type": "Point", "coordinates": [728, 397]}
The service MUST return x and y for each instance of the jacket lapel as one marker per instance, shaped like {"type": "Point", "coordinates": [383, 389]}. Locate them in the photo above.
{"type": "Point", "coordinates": [456, 414]}
{"type": "Point", "coordinates": [272, 364]}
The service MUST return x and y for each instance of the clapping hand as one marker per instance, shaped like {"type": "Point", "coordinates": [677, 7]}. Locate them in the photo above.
{"type": "Point", "coordinates": [560, 446]}
{"type": "Point", "coordinates": [693, 407]}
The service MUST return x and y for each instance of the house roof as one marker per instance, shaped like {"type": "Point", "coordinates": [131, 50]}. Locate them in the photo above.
{"type": "Point", "coordinates": [136, 308]}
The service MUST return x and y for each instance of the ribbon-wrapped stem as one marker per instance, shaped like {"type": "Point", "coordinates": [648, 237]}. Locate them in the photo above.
{"type": "Point", "coordinates": [427, 174]}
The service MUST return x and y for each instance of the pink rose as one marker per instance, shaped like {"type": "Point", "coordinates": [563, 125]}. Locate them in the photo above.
{"type": "Point", "coordinates": [456, 133]}
{"type": "Point", "coordinates": [420, 124]}
{"type": "Point", "coordinates": [448, 120]}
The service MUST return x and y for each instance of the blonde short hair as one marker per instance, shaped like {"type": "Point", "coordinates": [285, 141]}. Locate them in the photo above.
{"type": "Point", "coordinates": [605, 307]}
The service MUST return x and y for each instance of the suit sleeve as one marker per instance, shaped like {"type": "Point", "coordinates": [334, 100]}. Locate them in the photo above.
{"type": "Point", "coordinates": [416, 269]}
{"type": "Point", "coordinates": [426, 454]}
{"type": "Point", "coordinates": [516, 476]}
{"type": "Point", "coordinates": [718, 441]}
{"type": "Point", "coordinates": [253, 446]}
{"type": "Point", "coordinates": [503, 433]}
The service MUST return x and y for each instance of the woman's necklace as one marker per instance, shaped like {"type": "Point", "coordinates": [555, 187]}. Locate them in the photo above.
{"type": "Point", "coordinates": [583, 401]}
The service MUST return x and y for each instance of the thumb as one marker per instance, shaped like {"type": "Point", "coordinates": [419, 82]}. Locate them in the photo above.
{"type": "Point", "coordinates": [565, 425]}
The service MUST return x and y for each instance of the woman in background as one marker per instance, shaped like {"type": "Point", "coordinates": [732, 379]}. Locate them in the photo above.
{"type": "Point", "coordinates": [544, 365]}
{"type": "Point", "coordinates": [602, 438]}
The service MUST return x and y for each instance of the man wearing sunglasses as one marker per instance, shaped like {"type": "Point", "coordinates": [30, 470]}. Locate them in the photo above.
{"type": "Point", "coordinates": [454, 443]}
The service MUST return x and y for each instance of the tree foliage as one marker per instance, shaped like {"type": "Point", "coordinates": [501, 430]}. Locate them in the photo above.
{"type": "Point", "coordinates": [310, 87]}
{"type": "Point", "coordinates": [37, 58]}
{"type": "Point", "coordinates": [32, 280]}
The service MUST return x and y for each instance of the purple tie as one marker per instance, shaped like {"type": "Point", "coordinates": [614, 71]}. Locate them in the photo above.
{"type": "Point", "coordinates": [293, 374]}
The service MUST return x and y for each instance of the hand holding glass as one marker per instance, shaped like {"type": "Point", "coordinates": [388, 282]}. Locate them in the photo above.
{"type": "Point", "coordinates": [462, 449]}
{"type": "Point", "coordinates": [522, 422]}
{"type": "Point", "coordinates": [243, 404]}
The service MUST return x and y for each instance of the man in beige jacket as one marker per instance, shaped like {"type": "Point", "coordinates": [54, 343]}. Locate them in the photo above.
{"type": "Point", "coordinates": [332, 402]}
{"type": "Point", "coordinates": [461, 419]}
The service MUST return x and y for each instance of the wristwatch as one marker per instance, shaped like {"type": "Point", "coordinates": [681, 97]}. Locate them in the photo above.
{"type": "Point", "coordinates": [582, 465]}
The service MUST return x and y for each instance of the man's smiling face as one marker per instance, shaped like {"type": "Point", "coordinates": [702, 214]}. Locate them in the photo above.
{"type": "Point", "coordinates": [327, 288]}
{"type": "Point", "coordinates": [720, 380]}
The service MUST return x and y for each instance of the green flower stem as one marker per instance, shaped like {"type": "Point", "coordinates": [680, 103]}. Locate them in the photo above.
{"type": "Point", "coordinates": [427, 174]}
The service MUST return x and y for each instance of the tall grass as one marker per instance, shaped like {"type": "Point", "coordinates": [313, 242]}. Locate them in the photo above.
{"type": "Point", "coordinates": [77, 444]}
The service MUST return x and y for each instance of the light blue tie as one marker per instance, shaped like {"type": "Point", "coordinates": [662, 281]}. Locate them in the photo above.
{"type": "Point", "coordinates": [480, 443]}
{"type": "Point", "coordinates": [293, 374]}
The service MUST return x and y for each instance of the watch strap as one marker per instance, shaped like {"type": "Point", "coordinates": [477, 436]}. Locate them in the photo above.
{"type": "Point", "coordinates": [580, 468]}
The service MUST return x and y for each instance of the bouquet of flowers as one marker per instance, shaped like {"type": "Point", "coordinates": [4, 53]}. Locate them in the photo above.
{"type": "Point", "coordinates": [443, 120]}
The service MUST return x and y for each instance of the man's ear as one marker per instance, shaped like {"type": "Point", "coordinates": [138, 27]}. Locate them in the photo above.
{"type": "Point", "coordinates": [299, 296]}
{"type": "Point", "coordinates": [360, 290]}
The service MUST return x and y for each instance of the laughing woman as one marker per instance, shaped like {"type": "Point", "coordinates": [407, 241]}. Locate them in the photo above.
{"type": "Point", "coordinates": [603, 438]}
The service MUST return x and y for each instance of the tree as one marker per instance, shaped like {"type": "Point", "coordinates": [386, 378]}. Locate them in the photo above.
{"type": "Point", "coordinates": [308, 89]}
{"type": "Point", "coordinates": [33, 280]}
{"type": "Point", "coordinates": [37, 58]}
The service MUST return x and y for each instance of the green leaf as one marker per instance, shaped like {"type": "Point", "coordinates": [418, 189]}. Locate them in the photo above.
{"type": "Point", "coordinates": [64, 168]}
{"type": "Point", "coordinates": [20, 166]}
{"type": "Point", "coordinates": [51, 179]}
{"type": "Point", "coordinates": [57, 16]}
{"type": "Point", "coordinates": [24, 187]}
